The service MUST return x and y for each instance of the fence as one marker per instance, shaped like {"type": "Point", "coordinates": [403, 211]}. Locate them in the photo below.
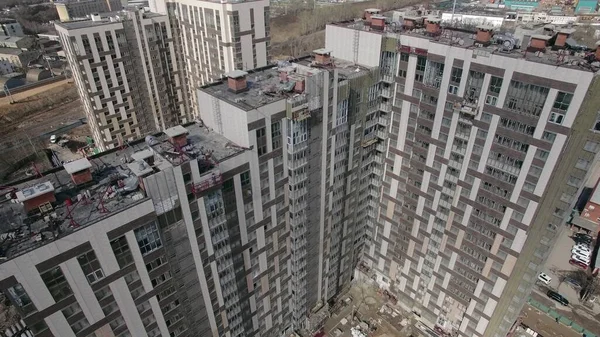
{"type": "Point", "coordinates": [562, 319]}
{"type": "Point", "coordinates": [32, 85]}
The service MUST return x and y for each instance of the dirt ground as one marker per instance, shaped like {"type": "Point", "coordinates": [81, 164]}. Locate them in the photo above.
{"type": "Point", "coordinates": [368, 305]}
{"type": "Point", "coordinates": [25, 127]}
{"type": "Point", "coordinates": [38, 111]}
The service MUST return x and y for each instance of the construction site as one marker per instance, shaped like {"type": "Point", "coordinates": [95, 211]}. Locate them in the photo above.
{"type": "Point", "coordinates": [365, 310]}
{"type": "Point", "coordinates": [27, 121]}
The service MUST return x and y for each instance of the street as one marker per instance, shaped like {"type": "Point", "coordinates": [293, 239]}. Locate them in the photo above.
{"type": "Point", "coordinates": [584, 314]}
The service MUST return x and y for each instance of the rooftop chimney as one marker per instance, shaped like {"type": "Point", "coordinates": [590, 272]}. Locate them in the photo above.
{"type": "Point", "coordinates": [95, 17]}
{"type": "Point", "coordinates": [236, 81]}
{"type": "Point", "coordinates": [433, 26]}
{"type": "Point", "coordinates": [177, 135]}
{"type": "Point", "coordinates": [36, 196]}
{"type": "Point", "coordinates": [80, 171]}
{"type": "Point", "coordinates": [409, 23]}
{"type": "Point", "coordinates": [378, 22]}
{"type": "Point", "coordinates": [322, 56]}
{"type": "Point", "coordinates": [561, 38]}
{"type": "Point", "coordinates": [538, 43]}
{"type": "Point", "coordinates": [369, 12]}
{"type": "Point", "coordinates": [484, 34]}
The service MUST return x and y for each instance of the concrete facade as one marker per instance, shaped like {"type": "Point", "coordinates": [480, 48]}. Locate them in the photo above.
{"type": "Point", "coordinates": [216, 37]}
{"type": "Point", "coordinates": [468, 213]}
{"type": "Point", "coordinates": [185, 253]}
{"type": "Point", "coordinates": [126, 75]}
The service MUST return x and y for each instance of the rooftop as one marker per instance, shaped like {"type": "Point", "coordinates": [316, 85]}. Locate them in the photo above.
{"type": "Point", "coordinates": [114, 187]}
{"type": "Point", "coordinates": [11, 51]}
{"type": "Point", "coordinates": [571, 58]}
{"type": "Point", "coordinates": [265, 86]}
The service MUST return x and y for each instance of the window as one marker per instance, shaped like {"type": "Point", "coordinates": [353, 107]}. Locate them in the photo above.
{"type": "Point", "coordinates": [452, 89]}
{"type": "Point", "coordinates": [261, 141]}
{"type": "Point", "coordinates": [541, 154]}
{"type": "Point", "coordinates": [402, 73]}
{"type": "Point", "coordinates": [90, 266]}
{"type": "Point", "coordinates": [563, 100]}
{"type": "Point", "coordinates": [573, 181]}
{"type": "Point", "coordinates": [245, 178]}
{"type": "Point", "coordinates": [582, 164]}
{"type": "Point", "coordinates": [535, 171]}
{"type": "Point", "coordinates": [556, 118]}
{"type": "Point", "coordinates": [517, 126]}
{"type": "Point", "coordinates": [404, 57]}
{"type": "Point", "coordinates": [421, 63]}
{"type": "Point", "coordinates": [148, 238]}
{"type": "Point", "coordinates": [524, 98]}
{"type": "Point", "coordinates": [121, 251]}
{"type": "Point", "coordinates": [495, 85]}
{"type": "Point", "coordinates": [456, 75]}
{"type": "Point", "coordinates": [19, 297]}
{"type": "Point", "coordinates": [491, 100]}
{"type": "Point", "coordinates": [57, 283]}
{"type": "Point", "coordinates": [276, 134]}
{"type": "Point", "coordinates": [342, 113]}
{"type": "Point", "coordinates": [548, 136]}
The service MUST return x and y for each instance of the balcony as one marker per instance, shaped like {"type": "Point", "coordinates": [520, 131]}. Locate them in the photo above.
{"type": "Point", "coordinates": [387, 93]}
{"type": "Point", "coordinates": [455, 164]}
{"type": "Point", "coordinates": [382, 121]}
{"type": "Point", "coordinates": [458, 149]}
{"type": "Point", "coordinates": [386, 107]}
{"type": "Point", "coordinates": [462, 135]}
{"type": "Point", "coordinates": [387, 79]}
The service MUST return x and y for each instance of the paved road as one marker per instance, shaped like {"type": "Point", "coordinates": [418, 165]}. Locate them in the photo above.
{"type": "Point", "coordinates": [545, 325]}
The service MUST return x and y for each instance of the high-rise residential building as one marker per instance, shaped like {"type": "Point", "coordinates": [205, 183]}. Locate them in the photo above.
{"type": "Point", "coordinates": [78, 9]}
{"type": "Point", "coordinates": [214, 38]}
{"type": "Point", "coordinates": [126, 74]}
{"type": "Point", "coordinates": [333, 168]}
{"type": "Point", "coordinates": [246, 224]}
{"type": "Point", "coordinates": [164, 237]}
{"type": "Point", "coordinates": [488, 147]}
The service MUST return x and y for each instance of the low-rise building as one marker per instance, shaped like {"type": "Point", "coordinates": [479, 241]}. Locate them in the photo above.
{"type": "Point", "coordinates": [10, 27]}
{"type": "Point", "coordinates": [76, 9]}
{"type": "Point", "coordinates": [17, 42]}
{"type": "Point", "coordinates": [14, 60]}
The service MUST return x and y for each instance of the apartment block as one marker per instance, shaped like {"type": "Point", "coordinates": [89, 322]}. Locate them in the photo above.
{"type": "Point", "coordinates": [331, 120]}
{"type": "Point", "coordinates": [69, 10]}
{"type": "Point", "coordinates": [126, 74]}
{"type": "Point", "coordinates": [487, 150]}
{"type": "Point", "coordinates": [164, 237]}
{"type": "Point", "coordinates": [10, 27]}
{"type": "Point", "coordinates": [217, 37]}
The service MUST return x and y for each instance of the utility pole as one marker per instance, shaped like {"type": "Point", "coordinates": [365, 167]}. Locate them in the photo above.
{"type": "Point", "coordinates": [7, 93]}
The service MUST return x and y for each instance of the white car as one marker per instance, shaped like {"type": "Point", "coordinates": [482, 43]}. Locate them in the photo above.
{"type": "Point", "coordinates": [581, 258]}
{"type": "Point", "coordinates": [544, 278]}
{"type": "Point", "coordinates": [53, 139]}
{"type": "Point", "coordinates": [579, 251]}
{"type": "Point", "coordinates": [582, 247]}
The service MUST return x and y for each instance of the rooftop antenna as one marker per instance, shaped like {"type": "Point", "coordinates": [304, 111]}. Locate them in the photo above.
{"type": "Point", "coordinates": [453, 10]}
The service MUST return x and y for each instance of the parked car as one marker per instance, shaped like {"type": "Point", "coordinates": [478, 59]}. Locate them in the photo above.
{"type": "Point", "coordinates": [558, 297]}
{"type": "Point", "coordinates": [53, 139]}
{"type": "Point", "coordinates": [544, 278]}
{"type": "Point", "coordinates": [580, 251]}
{"type": "Point", "coordinates": [582, 246]}
{"type": "Point", "coordinates": [578, 263]}
{"type": "Point", "coordinates": [582, 238]}
{"type": "Point", "coordinates": [583, 257]}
